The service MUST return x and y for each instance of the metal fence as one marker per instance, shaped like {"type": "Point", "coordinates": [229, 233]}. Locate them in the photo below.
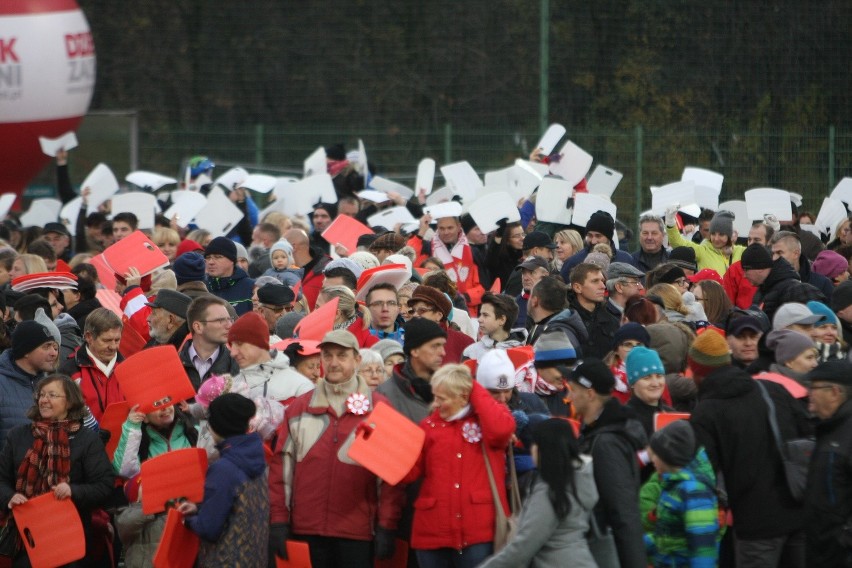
{"type": "Point", "coordinates": [807, 162]}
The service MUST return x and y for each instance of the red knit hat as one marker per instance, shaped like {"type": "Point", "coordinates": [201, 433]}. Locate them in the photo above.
{"type": "Point", "coordinates": [250, 328]}
{"type": "Point", "coordinates": [188, 245]}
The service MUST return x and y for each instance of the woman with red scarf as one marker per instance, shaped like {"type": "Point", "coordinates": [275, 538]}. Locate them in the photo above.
{"type": "Point", "coordinates": [56, 454]}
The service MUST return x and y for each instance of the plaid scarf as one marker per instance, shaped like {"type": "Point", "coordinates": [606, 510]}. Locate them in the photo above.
{"type": "Point", "coordinates": [48, 462]}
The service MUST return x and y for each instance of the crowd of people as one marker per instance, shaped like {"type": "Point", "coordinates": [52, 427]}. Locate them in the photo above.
{"type": "Point", "coordinates": [540, 361]}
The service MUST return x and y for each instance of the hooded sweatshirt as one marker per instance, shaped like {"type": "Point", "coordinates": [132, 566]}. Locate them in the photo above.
{"type": "Point", "coordinates": [233, 518]}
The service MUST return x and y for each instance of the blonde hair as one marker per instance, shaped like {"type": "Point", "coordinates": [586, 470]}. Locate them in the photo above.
{"type": "Point", "coordinates": [80, 258]}
{"type": "Point", "coordinates": [672, 299]}
{"type": "Point", "coordinates": [280, 220]}
{"type": "Point", "coordinates": [571, 237]}
{"type": "Point", "coordinates": [456, 379]}
{"type": "Point", "coordinates": [165, 235]}
{"type": "Point", "coordinates": [33, 263]}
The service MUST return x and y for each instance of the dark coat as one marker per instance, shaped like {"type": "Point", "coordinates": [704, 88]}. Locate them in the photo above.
{"type": "Point", "coordinates": [731, 421]}
{"type": "Point", "coordinates": [784, 285]}
{"type": "Point", "coordinates": [235, 289]}
{"type": "Point", "coordinates": [646, 262]}
{"type": "Point", "coordinates": [828, 502]}
{"type": "Point", "coordinates": [601, 326]}
{"type": "Point", "coordinates": [91, 478]}
{"type": "Point", "coordinates": [818, 281]}
{"type": "Point", "coordinates": [567, 321]}
{"type": "Point", "coordinates": [223, 365]}
{"type": "Point", "coordinates": [613, 442]}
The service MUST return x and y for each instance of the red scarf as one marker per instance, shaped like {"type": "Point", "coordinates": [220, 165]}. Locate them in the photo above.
{"type": "Point", "coordinates": [48, 462]}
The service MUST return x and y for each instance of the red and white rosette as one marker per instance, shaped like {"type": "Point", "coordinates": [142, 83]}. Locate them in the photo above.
{"type": "Point", "coordinates": [358, 404]}
{"type": "Point", "coordinates": [472, 432]}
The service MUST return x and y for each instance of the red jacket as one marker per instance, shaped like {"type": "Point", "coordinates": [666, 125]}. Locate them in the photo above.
{"type": "Point", "coordinates": [456, 344]}
{"type": "Point", "coordinates": [314, 486]}
{"type": "Point", "coordinates": [455, 507]}
{"type": "Point", "coordinates": [740, 291]}
{"type": "Point", "coordinates": [362, 334]}
{"type": "Point", "coordinates": [312, 280]}
{"type": "Point", "coordinates": [99, 391]}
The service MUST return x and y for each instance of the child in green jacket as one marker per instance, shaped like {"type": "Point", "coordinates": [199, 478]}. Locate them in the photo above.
{"type": "Point", "coordinates": [686, 526]}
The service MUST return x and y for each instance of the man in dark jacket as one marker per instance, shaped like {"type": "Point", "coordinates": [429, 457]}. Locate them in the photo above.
{"type": "Point", "coordinates": [599, 229]}
{"type": "Point", "coordinates": [588, 297]}
{"type": "Point", "coordinates": [731, 420]}
{"type": "Point", "coordinates": [788, 245]}
{"type": "Point", "coordinates": [408, 389]}
{"type": "Point", "coordinates": [224, 278]}
{"type": "Point", "coordinates": [841, 304]}
{"type": "Point", "coordinates": [206, 354]}
{"type": "Point", "coordinates": [776, 280]}
{"type": "Point", "coordinates": [613, 438]}
{"type": "Point", "coordinates": [33, 354]}
{"type": "Point", "coordinates": [828, 501]}
{"type": "Point", "coordinates": [651, 253]}
{"type": "Point", "coordinates": [547, 311]}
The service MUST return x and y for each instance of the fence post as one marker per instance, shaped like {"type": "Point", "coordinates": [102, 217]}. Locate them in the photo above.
{"type": "Point", "coordinates": [258, 144]}
{"type": "Point", "coordinates": [831, 143]}
{"type": "Point", "coordinates": [448, 142]}
{"type": "Point", "coordinates": [637, 203]}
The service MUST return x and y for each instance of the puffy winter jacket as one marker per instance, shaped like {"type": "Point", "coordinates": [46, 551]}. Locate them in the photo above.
{"type": "Point", "coordinates": [16, 394]}
{"type": "Point", "coordinates": [706, 255]}
{"type": "Point", "coordinates": [455, 507]}
{"type": "Point", "coordinates": [235, 289]}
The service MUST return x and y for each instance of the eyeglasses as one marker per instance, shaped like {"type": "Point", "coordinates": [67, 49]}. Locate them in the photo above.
{"type": "Point", "coordinates": [217, 321]}
{"type": "Point", "coordinates": [388, 304]}
{"type": "Point", "coordinates": [49, 395]}
{"type": "Point", "coordinates": [373, 370]}
{"type": "Point", "coordinates": [420, 311]}
{"type": "Point", "coordinates": [682, 282]}
{"type": "Point", "coordinates": [633, 283]}
{"type": "Point", "coordinates": [277, 309]}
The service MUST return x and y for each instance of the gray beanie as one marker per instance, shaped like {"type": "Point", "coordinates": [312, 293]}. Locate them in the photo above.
{"type": "Point", "coordinates": [722, 222]}
{"type": "Point", "coordinates": [675, 444]}
{"type": "Point", "coordinates": [788, 344]}
{"type": "Point", "coordinates": [388, 347]}
{"type": "Point", "coordinates": [286, 324]}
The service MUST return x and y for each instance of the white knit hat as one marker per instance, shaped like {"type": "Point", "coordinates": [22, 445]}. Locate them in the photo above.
{"type": "Point", "coordinates": [495, 371]}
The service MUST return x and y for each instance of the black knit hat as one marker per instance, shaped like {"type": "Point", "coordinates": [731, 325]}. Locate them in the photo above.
{"type": "Point", "coordinates": [330, 208]}
{"type": "Point", "coordinates": [603, 223]}
{"type": "Point", "coordinates": [223, 246]}
{"type": "Point", "coordinates": [189, 267]}
{"type": "Point", "coordinates": [841, 296]}
{"type": "Point", "coordinates": [684, 257]}
{"type": "Point", "coordinates": [672, 275]}
{"type": "Point", "coordinates": [335, 152]}
{"type": "Point", "coordinates": [419, 331]}
{"type": "Point", "coordinates": [28, 336]}
{"type": "Point", "coordinates": [230, 414]}
{"type": "Point", "coordinates": [467, 222]}
{"type": "Point", "coordinates": [675, 444]}
{"type": "Point", "coordinates": [756, 257]}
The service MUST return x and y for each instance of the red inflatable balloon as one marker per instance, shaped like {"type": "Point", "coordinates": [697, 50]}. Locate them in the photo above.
{"type": "Point", "coordinates": [47, 77]}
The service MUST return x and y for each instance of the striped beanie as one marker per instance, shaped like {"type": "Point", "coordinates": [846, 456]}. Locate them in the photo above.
{"type": "Point", "coordinates": [708, 352]}
{"type": "Point", "coordinates": [554, 348]}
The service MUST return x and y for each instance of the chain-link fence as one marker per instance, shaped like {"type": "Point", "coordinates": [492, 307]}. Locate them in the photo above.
{"type": "Point", "coordinates": [809, 163]}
